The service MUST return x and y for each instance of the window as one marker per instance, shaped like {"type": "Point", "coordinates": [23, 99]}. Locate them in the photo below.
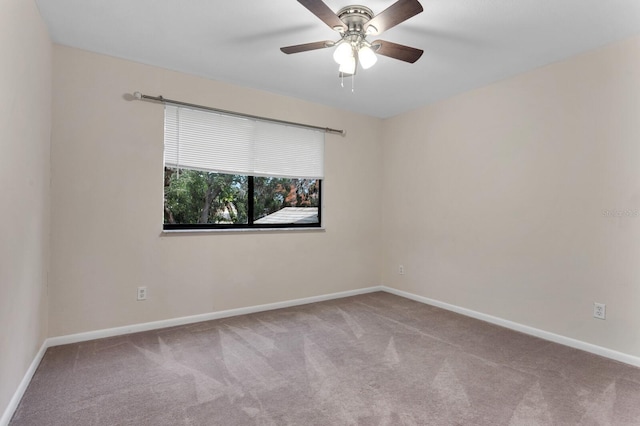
{"type": "Point", "coordinates": [224, 171]}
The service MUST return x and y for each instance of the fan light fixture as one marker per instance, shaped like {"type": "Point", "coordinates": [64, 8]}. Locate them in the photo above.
{"type": "Point", "coordinates": [348, 66]}
{"type": "Point", "coordinates": [343, 53]}
{"type": "Point", "coordinates": [367, 57]}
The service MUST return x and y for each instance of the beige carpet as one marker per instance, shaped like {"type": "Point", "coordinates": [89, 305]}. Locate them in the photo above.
{"type": "Point", "coordinates": [375, 359]}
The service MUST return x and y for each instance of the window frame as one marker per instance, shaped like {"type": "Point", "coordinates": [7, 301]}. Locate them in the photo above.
{"type": "Point", "coordinates": [217, 141]}
{"type": "Point", "coordinates": [250, 213]}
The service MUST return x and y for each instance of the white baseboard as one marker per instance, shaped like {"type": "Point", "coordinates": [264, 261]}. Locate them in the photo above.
{"type": "Point", "coordinates": [136, 328]}
{"type": "Point", "coordinates": [546, 335]}
{"type": "Point", "coordinates": [22, 387]}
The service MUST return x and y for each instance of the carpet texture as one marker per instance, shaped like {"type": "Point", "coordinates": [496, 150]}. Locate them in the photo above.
{"type": "Point", "coordinates": [375, 359]}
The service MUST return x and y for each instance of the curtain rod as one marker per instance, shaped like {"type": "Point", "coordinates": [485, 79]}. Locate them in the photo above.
{"type": "Point", "coordinates": [161, 99]}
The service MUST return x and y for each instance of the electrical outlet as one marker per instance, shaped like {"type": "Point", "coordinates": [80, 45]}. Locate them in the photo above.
{"type": "Point", "coordinates": [599, 310]}
{"type": "Point", "coordinates": [401, 269]}
{"type": "Point", "coordinates": [142, 293]}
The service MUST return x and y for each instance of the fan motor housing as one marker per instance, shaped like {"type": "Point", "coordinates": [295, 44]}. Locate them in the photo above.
{"type": "Point", "coordinates": [355, 17]}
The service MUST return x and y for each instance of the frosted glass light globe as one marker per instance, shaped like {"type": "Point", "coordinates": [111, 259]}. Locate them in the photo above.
{"type": "Point", "coordinates": [367, 57]}
{"type": "Point", "coordinates": [349, 66]}
{"type": "Point", "coordinates": [343, 53]}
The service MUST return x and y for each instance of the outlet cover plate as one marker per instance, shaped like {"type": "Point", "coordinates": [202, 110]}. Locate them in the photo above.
{"type": "Point", "coordinates": [599, 310]}
{"type": "Point", "coordinates": [142, 293]}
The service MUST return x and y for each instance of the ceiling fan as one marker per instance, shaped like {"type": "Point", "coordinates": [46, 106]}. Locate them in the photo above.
{"type": "Point", "coordinates": [354, 24]}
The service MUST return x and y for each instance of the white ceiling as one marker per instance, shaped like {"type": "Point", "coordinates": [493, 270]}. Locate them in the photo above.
{"type": "Point", "coordinates": [467, 43]}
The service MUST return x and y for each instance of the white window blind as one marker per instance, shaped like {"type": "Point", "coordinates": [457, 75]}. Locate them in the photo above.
{"type": "Point", "coordinates": [223, 143]}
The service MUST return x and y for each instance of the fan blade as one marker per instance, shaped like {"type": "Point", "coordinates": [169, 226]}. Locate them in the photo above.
{"type": "Point", "coordinates": [307, 46]}
{"type": "Point", "coordinates": [396, 51]}
{"type": "Point", "coordinates": [398, 12]}
{"type": "Point", "coordinates": [322, 11]}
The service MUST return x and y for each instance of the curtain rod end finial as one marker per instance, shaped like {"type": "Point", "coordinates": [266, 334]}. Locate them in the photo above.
{"type": "Point", "coordinates": [137, 95]}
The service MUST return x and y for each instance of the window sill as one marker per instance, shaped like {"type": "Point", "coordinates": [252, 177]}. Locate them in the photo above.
{"type": "Point", "coordinates": [177, 232]}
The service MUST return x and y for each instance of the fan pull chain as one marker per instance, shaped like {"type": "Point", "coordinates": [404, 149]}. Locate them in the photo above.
{"type": "Point", "coordinates": [353, 83]}
{"type": "Point", "coordinates": [342, 80]}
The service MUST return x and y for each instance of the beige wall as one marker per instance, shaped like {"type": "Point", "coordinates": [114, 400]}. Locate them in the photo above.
{"type": "Point", "coordinates": [497, 201]}
{"type": "Point", "coordinates": [107, 205]}
{"type": "Point", "coordinates": [25, 122]}
{"type": "Point", "coordinates": [499, 193]}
